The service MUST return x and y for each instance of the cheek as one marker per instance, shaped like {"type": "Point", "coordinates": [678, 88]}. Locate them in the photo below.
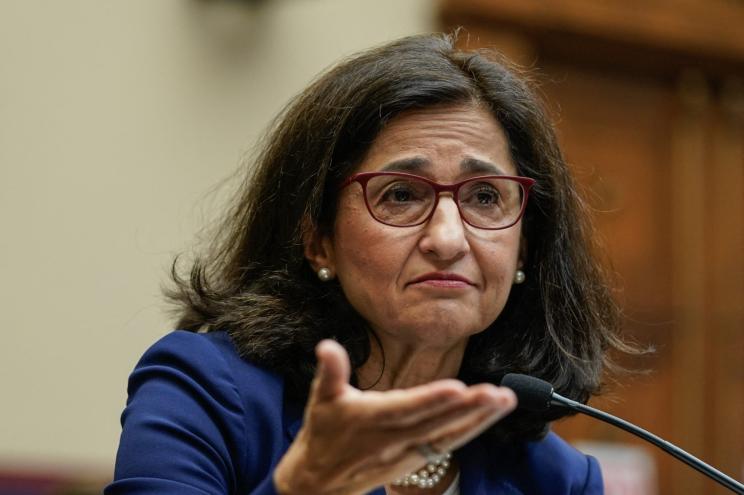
{"type": "Point", "coordinates": [499, 272]}
{"type": "Point", "coordinates": [367, 278]}
{"type": "Point", "coordinates": [367, 257]}
{"type": "Point", "coordinates": [499, 264]}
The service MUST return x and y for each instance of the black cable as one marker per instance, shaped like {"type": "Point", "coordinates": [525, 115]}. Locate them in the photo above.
{"type": "Point", "coordinates": [538, 395]}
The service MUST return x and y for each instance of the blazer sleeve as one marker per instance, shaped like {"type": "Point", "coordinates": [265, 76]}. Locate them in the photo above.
{"type": "Point", "coordinates": [184, 426]}
{"type": "Point", "coordinates": [593, 484]}
{"type": "Point", "coordinates": [553, 466]}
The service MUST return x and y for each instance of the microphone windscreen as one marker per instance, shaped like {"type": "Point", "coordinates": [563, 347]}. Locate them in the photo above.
{"type": "Point", "coordinates": [533, 394]}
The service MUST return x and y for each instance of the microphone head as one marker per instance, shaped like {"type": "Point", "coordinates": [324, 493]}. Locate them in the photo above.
{"type": "Point", "coordinates": [533, 394]}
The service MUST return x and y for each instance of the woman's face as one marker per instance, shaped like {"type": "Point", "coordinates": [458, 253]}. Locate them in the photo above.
{"type": "Point", "coordinates": [400, 278]}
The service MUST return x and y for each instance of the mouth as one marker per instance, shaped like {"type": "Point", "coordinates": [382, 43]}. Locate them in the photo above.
{"type": "Point", "coordinates": [443, 279]}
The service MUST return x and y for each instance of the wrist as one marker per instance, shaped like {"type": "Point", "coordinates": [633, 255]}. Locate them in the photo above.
{"type": "Point", "coordinates": [291, 481]}
{"type": "Point", "coordinates": [280, 486]}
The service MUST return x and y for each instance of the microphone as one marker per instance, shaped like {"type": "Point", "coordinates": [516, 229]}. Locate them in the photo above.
{"type": "Point", "coordinates": [535, 394]}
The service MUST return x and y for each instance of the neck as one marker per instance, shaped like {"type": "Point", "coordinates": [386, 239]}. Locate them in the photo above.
{"type": "Point", "coordinates": [407, 365]}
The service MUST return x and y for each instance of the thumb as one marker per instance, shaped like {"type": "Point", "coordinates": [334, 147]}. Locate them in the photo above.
{"type": "Point", "coordinates": [334, 370]}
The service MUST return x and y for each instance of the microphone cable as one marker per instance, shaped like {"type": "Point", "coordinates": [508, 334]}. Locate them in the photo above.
{"type": "Point", "coordinates": [535, 394]}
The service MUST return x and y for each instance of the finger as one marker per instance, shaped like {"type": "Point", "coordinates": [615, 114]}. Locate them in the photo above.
{"type": "Point", "coordinates": [401, 408]}
{"type": "Point", "coordinates": [489, 405]}
{"type": "Point", "coordinates": [429, 407]}
{"type": "Point", "coordinates": [464, 431]}
{"type": "Point", "coordinates": [334, 370]}
{"type": "Point", "coordinates": [443, 425]}
{"type": "Point", "coordinates": [486, 393]}
{"type": "Point", "coordinates": [385, 445]}
{"type": "Point", "coordinates": [373, 444]}
{"type": "Point", "coordinates": [408, 407]}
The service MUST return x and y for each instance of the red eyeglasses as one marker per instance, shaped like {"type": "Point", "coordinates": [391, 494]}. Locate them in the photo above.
{"type": "Point", "coordinates": [398, 199]}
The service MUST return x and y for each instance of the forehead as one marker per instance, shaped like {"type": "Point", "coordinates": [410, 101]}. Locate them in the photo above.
{"type": "Point", "coordinates": [443, 142]}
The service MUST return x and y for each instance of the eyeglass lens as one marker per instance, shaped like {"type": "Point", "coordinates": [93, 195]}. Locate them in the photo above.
{"type": "Point", "coordinates": [489, 203]}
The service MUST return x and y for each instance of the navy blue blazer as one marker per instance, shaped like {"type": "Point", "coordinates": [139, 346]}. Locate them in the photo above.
{"type": "Point", "coordinates": [201, 420]}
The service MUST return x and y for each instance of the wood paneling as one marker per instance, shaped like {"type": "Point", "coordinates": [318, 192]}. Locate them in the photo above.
{"type": "Point", "coordinates": [688, 347]}
{"type": "Point", "coordinates": [702, 27]}
{"type": "Point", "coordinates": [649, 104]}
{"type": "Point", "coordinates": [725, 281]}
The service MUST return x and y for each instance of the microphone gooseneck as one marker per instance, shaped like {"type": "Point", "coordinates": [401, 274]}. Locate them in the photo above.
{"type": "Point", "coordinates": [535, 394]}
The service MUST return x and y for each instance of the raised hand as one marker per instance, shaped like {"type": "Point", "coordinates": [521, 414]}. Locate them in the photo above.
{"type": "Point", "coordinates": [353, 441]}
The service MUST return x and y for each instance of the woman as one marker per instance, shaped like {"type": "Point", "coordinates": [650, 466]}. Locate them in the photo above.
{"type": "Point", "coordinates": [380, 271]}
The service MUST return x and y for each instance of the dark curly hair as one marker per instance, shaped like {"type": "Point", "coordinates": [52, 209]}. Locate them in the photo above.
{"type": "Point", "coordinates": [255, 283]}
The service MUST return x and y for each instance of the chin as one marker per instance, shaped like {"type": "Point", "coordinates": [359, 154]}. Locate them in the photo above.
{"type": "Point", "coordinates": [436, 332]}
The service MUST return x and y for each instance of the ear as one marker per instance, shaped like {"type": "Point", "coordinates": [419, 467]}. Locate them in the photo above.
{"type": "Point", "coordinates": [318, 248]}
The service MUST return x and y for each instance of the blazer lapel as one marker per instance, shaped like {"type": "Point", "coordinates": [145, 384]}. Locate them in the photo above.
{"type": "Point", "coordinates": [483, 471]}
{"type": "Point", "coordinates": [471, 460]}
{"type": "Point", "coordinates": [292, 418]}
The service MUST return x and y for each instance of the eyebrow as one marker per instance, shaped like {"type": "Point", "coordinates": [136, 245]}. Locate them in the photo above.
{"type": "Point", "coordinates": [473, 165]}
{"type": "Point", "coordinates": [417, 164]}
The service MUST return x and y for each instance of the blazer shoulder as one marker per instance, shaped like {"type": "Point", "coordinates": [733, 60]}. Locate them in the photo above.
{"type": "Point", "coordinates": [214, 354]}
{"type": "Point", "coordinates": [199, 417]}
{"type": "Point", "coordinates": [563, 465]}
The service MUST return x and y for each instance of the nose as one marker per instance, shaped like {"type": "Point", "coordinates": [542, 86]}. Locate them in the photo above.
{"type": "Point", "coordinates": [444, 233]}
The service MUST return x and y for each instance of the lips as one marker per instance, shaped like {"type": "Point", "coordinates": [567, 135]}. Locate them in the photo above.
{"type": "Point", "coordinates": [443, 279]}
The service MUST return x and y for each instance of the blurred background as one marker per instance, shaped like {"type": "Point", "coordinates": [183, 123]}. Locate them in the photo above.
{"type": "Point", "coordinates": [121, 120]}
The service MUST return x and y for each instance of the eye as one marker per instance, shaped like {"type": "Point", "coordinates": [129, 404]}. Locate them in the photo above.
{"type": "Point", "coordinates": [482, 195]}
{"type": "Point", "coordinates": [398, 193]}
{"type": "Point", "coordinates": [399, 201]}
{"type": "Point", "coordinates": [402, 192]}
{"type": "Point", "coordinates": [487, 196]}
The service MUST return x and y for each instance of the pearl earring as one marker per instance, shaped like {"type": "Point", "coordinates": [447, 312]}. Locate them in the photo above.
{"type": "Point", "coordinates": [519, 277]}
{"type": "Point", "coordinates": [324, 274]}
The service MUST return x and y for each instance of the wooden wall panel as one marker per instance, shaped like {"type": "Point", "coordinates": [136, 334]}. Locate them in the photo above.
{"type": "Point", "coordinates": [724, 230]}
{"type": "Point", "coordinates": [690, 152]}
{"type": "Point", "coordinates": [649, 105]}
{"type": "Point", "coordinates": [613, 148]}
{"type": "Point", "coordinates": [704, 28]}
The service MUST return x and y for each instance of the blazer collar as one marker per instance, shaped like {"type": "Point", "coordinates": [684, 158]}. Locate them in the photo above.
{"type": "Point", "coordinates": [292, 418]}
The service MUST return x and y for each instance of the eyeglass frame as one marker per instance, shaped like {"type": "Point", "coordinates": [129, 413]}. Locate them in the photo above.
{"type": "Point", "coordinates": [364, 177]}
